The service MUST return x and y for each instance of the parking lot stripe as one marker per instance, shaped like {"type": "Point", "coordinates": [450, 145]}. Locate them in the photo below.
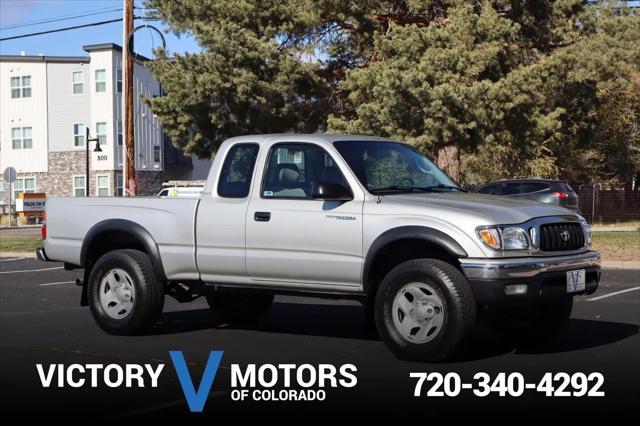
{"type": "Point", "coordinates": [615, 293]}
{"type": "Point", "coordinates": [30, 270]}
{"type": "Point", "coordinates": [61, 282]}
{"type": "Point", "coordinates": [12, 259]}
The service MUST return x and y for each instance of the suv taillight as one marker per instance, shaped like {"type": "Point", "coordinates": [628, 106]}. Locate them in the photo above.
{"type": "Point", "coordinates": [43, 230]}
{"type": "Point", "coordinates": [561, 195]}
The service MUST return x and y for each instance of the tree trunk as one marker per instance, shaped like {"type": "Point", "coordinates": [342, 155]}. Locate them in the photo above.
{"type": "Point", "coordinates": [448, 159]}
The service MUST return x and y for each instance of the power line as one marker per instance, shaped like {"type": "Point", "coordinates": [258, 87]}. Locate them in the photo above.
{"type": "Point", "coordinates": [62, 18]}
{"type": "Point", "coordinates": [93, 24]}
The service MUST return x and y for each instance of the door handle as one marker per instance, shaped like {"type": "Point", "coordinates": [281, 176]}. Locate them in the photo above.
{"type": "Point", "coordinates": [262, 216]}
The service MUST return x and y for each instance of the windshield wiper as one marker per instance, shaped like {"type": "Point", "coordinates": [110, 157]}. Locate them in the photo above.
{"type": "Point", "coordinates": [399, 188]}
{"type": "Point", "coordinates": [434, 188]}
{"type": "Point", "coordinates": [442, 186]}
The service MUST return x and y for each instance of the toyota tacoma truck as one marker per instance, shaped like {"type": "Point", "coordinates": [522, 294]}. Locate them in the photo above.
{"type": "Point", "coordinates": [331, 216]}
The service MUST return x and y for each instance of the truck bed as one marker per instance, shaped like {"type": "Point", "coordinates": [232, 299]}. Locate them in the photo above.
{"type": "Point", "coordinates": [170, 221]}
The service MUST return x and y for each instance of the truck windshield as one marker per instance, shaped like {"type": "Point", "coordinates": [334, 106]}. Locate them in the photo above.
{"type": "Point", "coordinates": [384, 167]}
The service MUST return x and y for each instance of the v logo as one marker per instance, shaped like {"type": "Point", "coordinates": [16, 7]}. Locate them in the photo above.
{"type": "Point", "coordinates": [196, 399]}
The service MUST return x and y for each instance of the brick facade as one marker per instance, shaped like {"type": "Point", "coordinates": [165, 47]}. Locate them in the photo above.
{"type": "Point", "coordinates": [64, 165]}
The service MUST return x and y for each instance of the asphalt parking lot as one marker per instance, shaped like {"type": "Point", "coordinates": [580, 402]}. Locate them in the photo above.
{"type": "Point", "coordinates": [41, 321]}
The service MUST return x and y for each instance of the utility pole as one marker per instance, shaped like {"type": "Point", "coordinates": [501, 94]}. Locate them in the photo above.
{"type": "Point", "coordinates": [129, 176]}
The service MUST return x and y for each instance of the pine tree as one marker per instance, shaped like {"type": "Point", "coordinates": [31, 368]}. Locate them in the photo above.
{"type": "Point", "coordinates": [492, 89]}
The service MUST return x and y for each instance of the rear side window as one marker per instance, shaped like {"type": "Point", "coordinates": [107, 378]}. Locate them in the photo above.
{"type": "Point", "coordinates": [511, 188]}
{"type": "Point", "coordinates": [529, 187]}
{"type": "Point", "coordinates": [237, 171]}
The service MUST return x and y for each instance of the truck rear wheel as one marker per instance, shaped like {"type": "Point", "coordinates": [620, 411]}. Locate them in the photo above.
{"type": "Point", "coordinates": [124, 296]}
{"type": "Point", "coordinates": [239, 306]}
{"type": "Point", "coordinates": [423, 309]}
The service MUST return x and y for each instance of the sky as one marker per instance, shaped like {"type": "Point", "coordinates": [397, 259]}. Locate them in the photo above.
{"type": "Point", "coordinates": [69, 43]}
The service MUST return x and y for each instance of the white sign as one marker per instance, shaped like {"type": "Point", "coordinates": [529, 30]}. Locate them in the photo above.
{"type": "Point", "coordinates": [30, 204]}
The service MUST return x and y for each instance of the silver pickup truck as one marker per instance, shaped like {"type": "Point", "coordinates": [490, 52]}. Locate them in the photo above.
{"type": "Point", "coordinates": [334, 216]}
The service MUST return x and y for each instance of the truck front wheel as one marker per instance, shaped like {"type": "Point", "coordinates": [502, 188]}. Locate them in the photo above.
{"type": "Point", "coordinates": [239, 306]}
{"type": "Point", "coordinates": [124, 296]}
{"type": "Point", "coordinates": [423, 309]}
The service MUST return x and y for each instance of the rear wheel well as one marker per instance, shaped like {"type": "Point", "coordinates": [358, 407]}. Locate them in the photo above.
{"type": "Point", "coordinates": [402, 250]}
{"type": "Point", "coordinates": [107, 241]}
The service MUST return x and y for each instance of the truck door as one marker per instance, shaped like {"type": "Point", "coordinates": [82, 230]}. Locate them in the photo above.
{"type": "Point", "coordinates": [220, 224]}
{"type": "Point", "coordinates": [292, 238]}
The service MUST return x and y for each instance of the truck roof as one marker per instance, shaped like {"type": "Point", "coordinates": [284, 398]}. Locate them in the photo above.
{"type": "Point", "coordinates": [305, 137]}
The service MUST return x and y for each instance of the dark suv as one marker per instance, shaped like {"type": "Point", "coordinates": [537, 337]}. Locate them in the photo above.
{"type": "Point", "coordinates": [548, 191]}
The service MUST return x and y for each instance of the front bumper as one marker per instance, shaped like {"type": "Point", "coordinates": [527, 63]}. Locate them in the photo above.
{"type": "Point", "coordinates": [545, 278]}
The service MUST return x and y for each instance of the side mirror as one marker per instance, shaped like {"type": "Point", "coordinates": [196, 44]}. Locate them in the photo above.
{"type": "Point", "coordinates": [331, 192]}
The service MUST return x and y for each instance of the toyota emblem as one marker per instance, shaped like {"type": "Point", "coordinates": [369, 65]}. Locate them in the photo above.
{"type": "Point", "coordinates": [565, 236]}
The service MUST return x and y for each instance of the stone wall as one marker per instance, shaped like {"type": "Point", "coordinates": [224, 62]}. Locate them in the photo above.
{"type": "Point", "coordinates": [64, 165]}
{"type": "Point", "coordinates": [149, 183]}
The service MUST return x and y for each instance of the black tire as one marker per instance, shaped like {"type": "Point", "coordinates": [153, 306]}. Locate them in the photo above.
{"type": "Point", "coordinates": [238, 306]}
{"type": "Point", "coordinates": [459, 308]}
{"type": "Point", "coordinates": [149, 293]}
{"type": "Point", "coordinates": [532, 324]}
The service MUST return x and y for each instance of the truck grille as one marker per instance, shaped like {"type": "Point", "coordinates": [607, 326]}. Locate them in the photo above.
{"type": "Point", "coordinates": [561, 236]}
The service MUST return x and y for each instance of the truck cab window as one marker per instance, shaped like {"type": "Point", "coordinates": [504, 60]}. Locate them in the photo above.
{"type": "Point", "coordinates": [294, 168]}
{"type": "Point", "coordinates": [237, 170]}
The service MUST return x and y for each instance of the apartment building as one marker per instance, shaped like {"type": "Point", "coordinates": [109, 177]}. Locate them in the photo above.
{"type": "Point", "coordinates": [47, 102]}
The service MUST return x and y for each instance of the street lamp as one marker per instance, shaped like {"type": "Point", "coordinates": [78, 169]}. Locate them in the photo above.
{"type": "Point", "coordinates": [96, 149]}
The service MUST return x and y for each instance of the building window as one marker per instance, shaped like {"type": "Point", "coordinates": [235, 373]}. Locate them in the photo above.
{"type": "Point", "coordinates": [21, 86]}
{"type": "Point", "coordinates": [101, 132]}
{"type": "Point", "coordinates": [78, 82]}
{"type": "Point", "coordinates": [23, 184]}
{"type": "Point", "coordinates": [119, 185]}
{"type": "Point", "coordinates": [101, 80]}
{"type": "Point", "coordinates": [26, 86]}
{"type": "Point", "coordinates": [79, 186]}
{"type": "Point", "coordinates": [15, 87]}
{"type": "Point", "coordinates": [102, 185]}
{"type": "Point", "coordinates": [156, 154]}
{"type": "Point", "coordinates": [78, 134]}
{"type": "Point", "coordinates": [119, 80]}
{"type": "Point", "coordinates": [119, 132]}
{"type": "Point", "coordinates": [1, 192]}
{"type": "Point", "coordinates": [21, 138]}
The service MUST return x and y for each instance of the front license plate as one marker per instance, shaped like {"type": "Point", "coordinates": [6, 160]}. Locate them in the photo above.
{"type": "Point", "coordinates": [575, 281]}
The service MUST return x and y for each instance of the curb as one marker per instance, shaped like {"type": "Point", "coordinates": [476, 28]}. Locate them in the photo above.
{"type": "Point", "coordinates": [627, 265]}
{"type": "Point", "coordinates": [615, 229]}
{"type": "Point", "coordinates": [12, 228]}
{"type": "Point", "coordinates": [18, 254]}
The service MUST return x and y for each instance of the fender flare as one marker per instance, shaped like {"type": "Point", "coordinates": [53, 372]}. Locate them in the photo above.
{"type": "Point", "coordinates": [424, 233]}
{"type": "Point", "coordinates": [136, 230]}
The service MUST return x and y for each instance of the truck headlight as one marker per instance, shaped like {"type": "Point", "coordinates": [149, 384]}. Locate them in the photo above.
{"type": "Point", "coordinates": [586, 229]}
{"type": "Point", "coordinates": [504, 238]}
{"type": "Point", "coordinates": [514, 239]}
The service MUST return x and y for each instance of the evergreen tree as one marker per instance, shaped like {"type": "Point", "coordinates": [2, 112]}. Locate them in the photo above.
{"type": "Point", "coordinates": [492, 89]}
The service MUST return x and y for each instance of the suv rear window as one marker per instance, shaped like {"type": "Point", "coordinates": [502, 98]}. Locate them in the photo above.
{"type": "Point", "coordinates": [511, 188]}
{"type": "Point", "coordinates": [567, 188]}
{"type": "Point", "coordinates": [529, 187]}
{"type": "Point", "coordinates": [490, 190]}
